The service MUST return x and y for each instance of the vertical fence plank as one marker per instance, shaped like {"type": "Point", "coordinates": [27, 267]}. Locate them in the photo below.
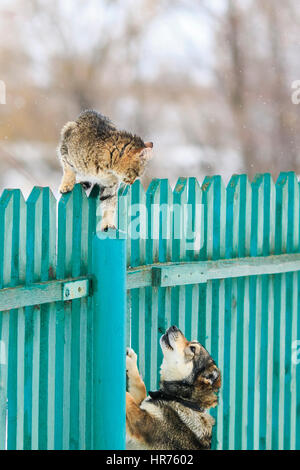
{"type": "Point", "coordinates": [243, 306]}
{"type": "Point", "coordinates": [254, 313]}
{"type": "Point", "coordinates": [80, 210]}
{"type": "Point", "coordinates": [241, 315]}
{"type": "Point", "coordinates": [48, 260]}
{"type": "Point", "coordinates": [13, 322]}
{"type": "Point", "coordinates": [164, 218]}
{"type": "Point", "coordinates": [124, 223]}
{"type": "Point", "coordinates": [289, 386]}
{"type": "Point", "coordinates": [203, 288]}
{"type": "Point", "coordinates": [109, 384]}
{"type": "Point", "coordinates": [180, 195]}
{"type": "Point", "coordinates": [88, 227]}
{"type": "Point", "coordinates": [63, 270]}
{"type": "Point", "coordinates": [15, 274]}
{"type": "Point", "coordinates": [266, 320]}
{"type": "Point", "coordinates": [191, 224]}
{"type": "Point", "coordinates": [217, 197]}
{"type": "Point", "coordinates": [236, 316]}
{"type": "Point", "coordinates": [31, 349]}
{"type": "Point", "coordinates": [92, 223]}
{"type": "Point", "coordinates": [10, 203]}
{"type": "Point", "coordinates": [279, 316]}
{"type": "Point", "coordinates": [151, 297]}
{"type": "Point", "coordinates": [269, 247]}
{"type": "Point", "coordinates": [84, 340]}
{"type": "Point", "coordinates": [194, 235]}
{"type": "Point", "coordinates": [206, 253]}
{"type": "Point", "coordinates": [230, 323]}
{"type": "Point", "coordinates": [137, 240]}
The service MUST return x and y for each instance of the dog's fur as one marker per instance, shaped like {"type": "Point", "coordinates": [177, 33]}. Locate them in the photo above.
{"type": "Point", "coordinates": [174, 418]}
{"type": "Point", "coordinates": [94, 150]}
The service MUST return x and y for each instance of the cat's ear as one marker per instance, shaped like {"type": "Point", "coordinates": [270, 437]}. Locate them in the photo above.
{"type": "Point", "coordinates": [149, 145]}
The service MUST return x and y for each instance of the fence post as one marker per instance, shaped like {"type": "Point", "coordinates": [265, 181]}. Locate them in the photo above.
{"type": "Point", "coordinates": [109, 378]}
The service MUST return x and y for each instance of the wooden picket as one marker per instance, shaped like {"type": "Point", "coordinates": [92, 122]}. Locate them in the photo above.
{"type": "Point", "coordinates": [234, 287]}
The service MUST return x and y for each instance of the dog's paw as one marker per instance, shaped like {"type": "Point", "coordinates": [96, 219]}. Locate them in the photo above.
{"type": "Point", "coordinates": [131, 354]}
{"type": "Point", "coordinates": [131, 361]}
{"type": "Point", "coordinates": [66, 188]}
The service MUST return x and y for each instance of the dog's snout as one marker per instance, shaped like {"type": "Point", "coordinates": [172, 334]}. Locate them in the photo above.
{"type": "Point", "coordinates": [174, 332]}
{"type": "Point", "coordinates": [173, 329]}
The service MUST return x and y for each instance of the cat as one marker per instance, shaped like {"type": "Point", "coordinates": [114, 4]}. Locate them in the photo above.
{"type": "Point", "coordinates": [93, 149]}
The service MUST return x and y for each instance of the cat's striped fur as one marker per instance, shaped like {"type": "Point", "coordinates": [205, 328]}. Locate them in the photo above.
{"type": "Point", "coordinates": [95, 151]}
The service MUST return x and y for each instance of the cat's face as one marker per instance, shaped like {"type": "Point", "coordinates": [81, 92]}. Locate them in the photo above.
{"type": "Point", "coordinates": [138, 163]}
{"type": "Point", "coordinates": [145, 155]}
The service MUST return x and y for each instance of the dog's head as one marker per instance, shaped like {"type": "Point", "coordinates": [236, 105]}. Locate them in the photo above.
{"type": "Point", "coordinates": [188, 370]}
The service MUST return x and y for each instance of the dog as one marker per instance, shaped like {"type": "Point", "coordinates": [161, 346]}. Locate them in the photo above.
{"type": "Point", "coordinates": [174, 417]}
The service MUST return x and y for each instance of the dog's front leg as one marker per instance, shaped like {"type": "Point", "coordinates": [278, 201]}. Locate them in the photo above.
{"type": "Point", "coordinates": [139, 424]}
{"type": "Point", "coordinates": [136, 386]}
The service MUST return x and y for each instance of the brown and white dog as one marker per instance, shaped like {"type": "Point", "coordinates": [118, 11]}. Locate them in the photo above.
{"type": "Point", "coordinates": [174, 417]}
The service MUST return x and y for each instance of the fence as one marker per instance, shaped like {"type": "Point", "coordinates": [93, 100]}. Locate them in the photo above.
{"type": "Point", "coordinates": [234, 287]}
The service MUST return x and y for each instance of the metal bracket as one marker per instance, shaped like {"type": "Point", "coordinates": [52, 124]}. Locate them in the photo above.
{"type": "Point", "coordinates": [44, 292]}
{"type": "Point", "coordinates": [178, 274]}
{"type": "Point", "coordinates": [75, 289]}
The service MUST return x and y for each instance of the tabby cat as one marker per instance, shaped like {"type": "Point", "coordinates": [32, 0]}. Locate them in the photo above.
{"type": "Point", "coordinates": [93, 149]}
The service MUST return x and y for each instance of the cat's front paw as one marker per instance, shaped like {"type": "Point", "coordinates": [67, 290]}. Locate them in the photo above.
{"type": "Point", "coordinates": [131, 355]}
{"type": "Point", "coordinates": [107, 225]}
{"type": "Point", "coordinates": [130, 180]}
{"type": "Point", "coordinates": [66, 187]}
{"type": "Point", "coordinates": [86, 185]}
{"type": "Point", "coordinates": [108, 221]}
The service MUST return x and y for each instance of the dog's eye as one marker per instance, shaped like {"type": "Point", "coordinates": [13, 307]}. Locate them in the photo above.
{"type": "Point", "coordinates": [193, 349]}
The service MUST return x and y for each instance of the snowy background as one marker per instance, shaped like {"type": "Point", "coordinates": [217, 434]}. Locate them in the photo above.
{"type": "Point", "coordinates": [209, 82]}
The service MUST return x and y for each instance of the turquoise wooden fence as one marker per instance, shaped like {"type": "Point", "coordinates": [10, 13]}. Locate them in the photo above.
{"type": "Point", "coordinates": [234, 287]}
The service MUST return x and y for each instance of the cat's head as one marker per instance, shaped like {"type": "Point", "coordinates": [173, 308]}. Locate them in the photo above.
{"type": "Point", "coordinates": [139, 158]}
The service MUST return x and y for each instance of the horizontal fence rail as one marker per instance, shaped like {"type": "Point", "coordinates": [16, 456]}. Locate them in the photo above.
{"type": "Point", "coordinates": [220, 262]}
{"type": "Point", "coordinates": [176, 274]}
{"type": "Point", "coordinates": [43, 293]}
